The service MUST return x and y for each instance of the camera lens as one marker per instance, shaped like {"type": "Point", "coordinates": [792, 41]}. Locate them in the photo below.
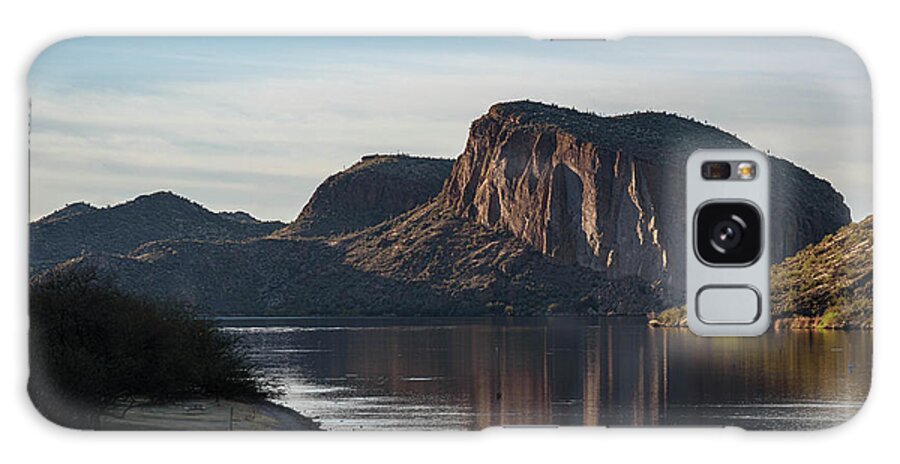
{"type": "Point", "coordinates": [728, 233]}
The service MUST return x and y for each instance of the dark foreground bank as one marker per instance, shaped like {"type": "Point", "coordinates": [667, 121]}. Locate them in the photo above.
{"type": "Point", "coordinates": [103, 359]}
{"type": "Point", "coordinates": [208, 414]}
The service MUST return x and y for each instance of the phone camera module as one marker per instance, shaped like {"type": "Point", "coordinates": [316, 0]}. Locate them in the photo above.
{"type": "Point", "coordinates": [716, 170]}
{"type": "Point", "coordinates": [728, 233]}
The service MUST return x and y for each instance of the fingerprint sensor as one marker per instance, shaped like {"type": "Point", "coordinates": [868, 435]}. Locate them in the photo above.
{"type": "Point", "coordinates": [724, 304]}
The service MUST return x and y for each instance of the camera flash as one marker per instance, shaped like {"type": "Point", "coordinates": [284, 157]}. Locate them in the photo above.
{"type": "Point", "coordinates": [746, 170]}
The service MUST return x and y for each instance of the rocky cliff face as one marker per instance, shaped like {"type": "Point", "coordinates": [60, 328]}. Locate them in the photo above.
{"type": "Point", "coordinates": [81, 228]}
{"type": "Point", "coordinates": [607, 192]}
{"type": "Point", "coordinates": [373, 190]}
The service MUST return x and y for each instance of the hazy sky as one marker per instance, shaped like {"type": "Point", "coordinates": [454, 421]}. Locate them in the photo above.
{"type": "Point", "coordinates": [255, 124]}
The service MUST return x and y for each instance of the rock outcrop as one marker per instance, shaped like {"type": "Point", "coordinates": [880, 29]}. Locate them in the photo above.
{"type": "Point", "coordinates": [81, 228]}
{"type": "Point", "coordinates": [375, 189]}
{"type": "Point", "coordinates": [607, 193]}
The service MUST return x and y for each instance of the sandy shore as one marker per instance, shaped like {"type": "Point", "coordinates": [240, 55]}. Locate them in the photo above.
{"type": "Point", "coordinates": [209, 415]}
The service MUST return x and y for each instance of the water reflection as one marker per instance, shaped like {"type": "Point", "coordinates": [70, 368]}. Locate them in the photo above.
{"type": "Point", "coordinates": [475, 373]}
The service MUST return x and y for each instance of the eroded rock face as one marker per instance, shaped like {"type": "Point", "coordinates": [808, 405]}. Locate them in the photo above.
{"type": "Point", "coordinates": [608, 192]}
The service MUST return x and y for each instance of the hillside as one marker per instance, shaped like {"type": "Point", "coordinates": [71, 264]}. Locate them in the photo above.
{"type": "Point", "coordinates": [827, 285]}
{"type": "Point", "coordinates": [375, 189]}
{"type": "Point", "coordinates": [81, 228]}
{"type": "Point", "coordinates": [490, 268]}
{"type": "Point", "coordinates": [426, 262]}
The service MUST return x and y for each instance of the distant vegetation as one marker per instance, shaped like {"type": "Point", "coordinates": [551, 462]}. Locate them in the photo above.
{"type": "Point", "coordinates": [647, 134]}
{"type": "Point", "coordinates": [80, 228]}
{"type": "Point", "coordinates": [672, 317]}
{"type": "Point", "coordinates": [95, 350]}
{"type": "Point", "coordinates": [827, 285]}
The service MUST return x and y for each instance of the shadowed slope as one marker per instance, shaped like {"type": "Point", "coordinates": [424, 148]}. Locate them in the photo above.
{"type": "Point", "coordinates": [81, 228]}
{"type": "Point", "coordinates": [373, 190]}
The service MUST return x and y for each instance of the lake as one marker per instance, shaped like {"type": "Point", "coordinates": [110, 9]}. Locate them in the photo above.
{"type": "Point", "coordinates": [454, 373]}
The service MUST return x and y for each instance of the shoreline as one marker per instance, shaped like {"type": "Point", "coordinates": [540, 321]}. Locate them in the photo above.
{"type": "Point", "coordinates": [670, 321]}
{"type": "Point", "coordinates": [209, 414]}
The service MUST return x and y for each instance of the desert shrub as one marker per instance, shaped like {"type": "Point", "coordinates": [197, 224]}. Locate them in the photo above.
{"type": "Point", "coordinates": [673, 317]}
{"type": "Point", "coordinates": [94, 348]}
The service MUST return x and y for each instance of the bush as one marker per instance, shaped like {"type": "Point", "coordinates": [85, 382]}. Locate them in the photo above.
{"type": "Point", "coordinates": [94, 348]}
{"type": "Point", "coordinates": [673, 317]}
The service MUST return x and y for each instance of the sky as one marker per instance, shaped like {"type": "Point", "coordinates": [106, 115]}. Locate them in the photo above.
{"type": "Point", "coordinates": [255, 124]}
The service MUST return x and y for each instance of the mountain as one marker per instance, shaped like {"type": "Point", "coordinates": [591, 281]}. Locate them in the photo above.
{"type": "Point", "coordinates": [827, 285]}
{"type": "Point", "coordinates": [607, 193]}
{"type": "Point", "coordinates": [373, 190]}
{"type": "Point", "coordinates": [548, 210]}
{"type": "Point", "coordinates": [81, 228]}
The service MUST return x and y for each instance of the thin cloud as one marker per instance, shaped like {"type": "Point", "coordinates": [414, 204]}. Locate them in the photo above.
{"type": "Point", "coordinates": [293, 109]}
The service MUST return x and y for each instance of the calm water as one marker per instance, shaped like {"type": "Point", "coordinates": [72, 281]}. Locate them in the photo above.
{"type": "Point", "coordinates": [475, 373]}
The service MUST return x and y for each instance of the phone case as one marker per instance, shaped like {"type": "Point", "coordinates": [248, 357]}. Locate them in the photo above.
{"type": "Point", "coordinates": [435, 233]}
